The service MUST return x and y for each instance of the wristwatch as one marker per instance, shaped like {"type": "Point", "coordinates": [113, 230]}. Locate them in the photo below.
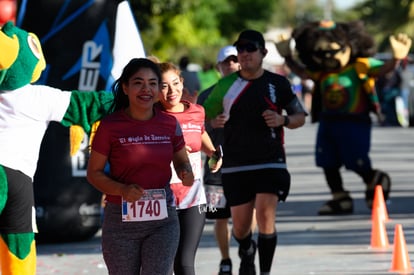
{"type": "Point", "coordinates": [286, 122]}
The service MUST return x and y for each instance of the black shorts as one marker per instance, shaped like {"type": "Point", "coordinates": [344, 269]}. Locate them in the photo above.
{"type": "Point", "coordinates": [242, 187]}
{"type": "Point", "coordinates": [219, 213]}
{"type": "Point", "coordinates": [17, 214]}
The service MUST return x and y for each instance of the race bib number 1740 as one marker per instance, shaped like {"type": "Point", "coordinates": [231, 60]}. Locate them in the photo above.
{"type": "Point", "coordinates": [150, 207]}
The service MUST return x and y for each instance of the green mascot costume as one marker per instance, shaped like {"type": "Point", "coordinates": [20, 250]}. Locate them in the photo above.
{"type": "Point", "coordinates": [25, 111]}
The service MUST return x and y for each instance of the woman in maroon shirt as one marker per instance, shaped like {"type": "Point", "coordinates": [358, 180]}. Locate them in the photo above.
{"type": "Point", "coordinates": [140, 230]}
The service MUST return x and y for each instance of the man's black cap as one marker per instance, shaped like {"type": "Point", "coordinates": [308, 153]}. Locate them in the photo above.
{"type": "Point", "coordinates": [253, 36]}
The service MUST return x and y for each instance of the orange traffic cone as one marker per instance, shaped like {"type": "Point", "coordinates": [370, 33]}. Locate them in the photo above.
{"type": "Point", "coordinates": [400, 260]}
{"type": "Point", "coordinates": [378, 205]}
{"type": "Point", "coordinates": [379, 237]}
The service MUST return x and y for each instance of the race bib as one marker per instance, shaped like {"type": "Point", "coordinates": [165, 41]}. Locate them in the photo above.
{"type": "Point", "coordinates": [195, 160]}
{"type": "Point", "coordinates": [150, 207]}
{"type": "Point", "coordinates": [215, 196]}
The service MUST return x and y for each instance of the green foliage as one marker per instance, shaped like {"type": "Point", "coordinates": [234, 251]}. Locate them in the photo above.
{"type": "Point", "coordinates": [385, 17]}
{"type": "Point", "coordinates": [295, 13]}
{"type": "Point", "coordinates": [198, 28]}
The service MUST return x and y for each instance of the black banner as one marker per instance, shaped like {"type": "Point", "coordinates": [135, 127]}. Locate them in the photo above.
{"type": "Point", "coordinates": [86, 44]}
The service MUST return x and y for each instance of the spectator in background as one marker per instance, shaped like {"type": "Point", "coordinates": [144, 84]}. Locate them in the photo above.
{"type": "Point", "coordinates": [208, 76]}
{"type": "Point", "coordinates": [389, 88]}
{"type": "Point", "coordinates": [217, 207]}
{"type": "Point", "coordinates": [192, 85]}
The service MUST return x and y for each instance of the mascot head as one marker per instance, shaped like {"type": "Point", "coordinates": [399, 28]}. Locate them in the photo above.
{"type": "Point", "coordinates": [327, 45]}
{"type": "Point", "coordinates": [21, 58]}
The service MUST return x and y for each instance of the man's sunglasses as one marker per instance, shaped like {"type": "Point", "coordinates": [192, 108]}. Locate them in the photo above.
{"type": "Point", "coordinates": [248, 47]}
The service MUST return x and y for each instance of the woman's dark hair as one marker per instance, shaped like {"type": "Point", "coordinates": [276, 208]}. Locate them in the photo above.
{"type": "Point", "coordinates": [134, 65]}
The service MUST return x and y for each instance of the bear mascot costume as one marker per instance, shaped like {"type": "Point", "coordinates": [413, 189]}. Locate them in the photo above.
{"type": "Point", "coordinates": [338, 58]}
{"type": "Point", "coordinates": [25, 112]}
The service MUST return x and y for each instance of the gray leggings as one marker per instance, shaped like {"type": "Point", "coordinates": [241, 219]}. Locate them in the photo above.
{"type": "Point", "coordinates": [131, 248]}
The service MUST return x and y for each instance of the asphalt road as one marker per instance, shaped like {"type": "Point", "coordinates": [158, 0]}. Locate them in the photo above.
{"type": "Point", "coordinates": [308, 244]}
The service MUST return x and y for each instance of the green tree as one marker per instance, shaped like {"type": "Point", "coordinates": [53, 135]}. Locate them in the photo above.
{"type": "Point", "coordinates": [196, 28]}
{"type": "Point", "coordinates": [384, 17]}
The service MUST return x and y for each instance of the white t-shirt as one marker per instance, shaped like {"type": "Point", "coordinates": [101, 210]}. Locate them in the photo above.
{"type": "Point", "coordinates": [24, 116]}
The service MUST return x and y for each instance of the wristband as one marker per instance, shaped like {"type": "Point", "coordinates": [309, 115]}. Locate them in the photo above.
{"type": "Point", "coordinates": [287, 121]}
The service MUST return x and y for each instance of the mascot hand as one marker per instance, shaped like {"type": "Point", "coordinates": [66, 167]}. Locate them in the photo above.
{"type": "Point", "coordinates": [76, 135]}
{"type": "Point", "coordinates": [400, 45]}
{"type": "Point", "coordinates": [283, 46]}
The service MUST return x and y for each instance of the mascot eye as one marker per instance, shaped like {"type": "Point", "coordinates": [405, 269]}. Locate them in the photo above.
{"type": "Point", "coordinates": [324, 53]}
{"type": "Point", "coordinates": [34, 45]}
